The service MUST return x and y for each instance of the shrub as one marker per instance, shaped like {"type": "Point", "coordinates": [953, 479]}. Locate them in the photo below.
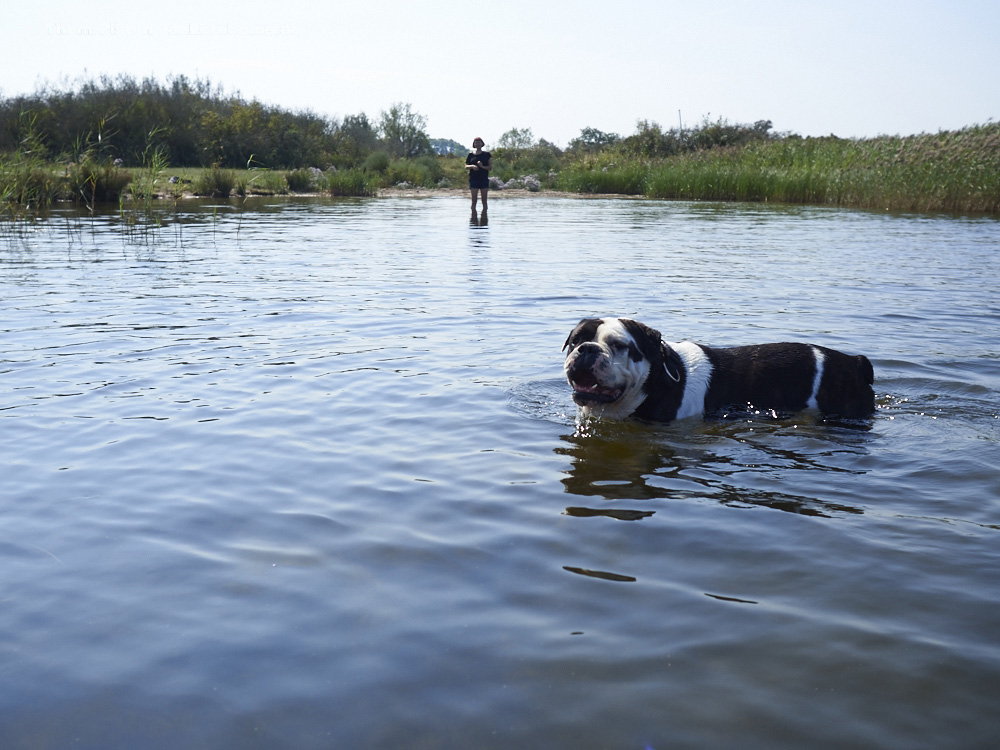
{"type": "Point", "coordinates": [299, 180]}
{"type": "Point", "coordinates": [541, 158]}
{"type": "Point", "coordinates": [432, 166]}
{"type": "Point", "coordinates": [405, 171]}
{"type": "Point", "coordinates": [423, 171]}
{"type": "Point", "coordinates": [96, 181]}
{"type": "Point", "coordinates": [351, 182]}
{"type": "Point", "coordinates": [376, 161]}
{"type": "Point", "coordinates": [453, 170]}
{"type": "Point", "coordinates": [263, 182]}
{"type": "Point", "coordinates": [218, 183]}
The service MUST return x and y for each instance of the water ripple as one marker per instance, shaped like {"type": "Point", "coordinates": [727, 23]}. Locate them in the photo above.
{"type": "Point", "coordinates": [306, 471]}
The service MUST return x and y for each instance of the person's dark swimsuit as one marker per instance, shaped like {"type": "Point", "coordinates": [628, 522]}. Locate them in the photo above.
{"type": "Point", "coordinates": [478, 178]}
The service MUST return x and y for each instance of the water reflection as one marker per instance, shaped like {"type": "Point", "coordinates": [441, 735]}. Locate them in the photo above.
{"type": "Point", "coordinates": [719, 462]}
{"type": "Point", "coordinates": [615, 469]}
{"type": "Point", "coordinates": [477, 223]}
{"type": "Point", "coordinates": [480, 220]}
{"type": "Point", "coordinates": [171, 479]}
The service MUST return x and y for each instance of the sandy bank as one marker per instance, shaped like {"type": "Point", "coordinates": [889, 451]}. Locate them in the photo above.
{"type": "Point", "coordinates": [413, 192]}
{"type": "Point", "coordinates": [421, 192]}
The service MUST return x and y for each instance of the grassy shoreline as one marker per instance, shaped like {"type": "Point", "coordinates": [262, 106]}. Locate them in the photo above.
{"type": "Point", "coordinates": [951, 172]}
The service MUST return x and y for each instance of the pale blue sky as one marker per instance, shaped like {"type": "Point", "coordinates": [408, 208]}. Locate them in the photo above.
{"type": "Point", "coordinates": [471, 68]}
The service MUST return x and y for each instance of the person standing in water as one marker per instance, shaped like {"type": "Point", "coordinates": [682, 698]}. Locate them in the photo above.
{"type": "Point", "coordinates": [478, 162]}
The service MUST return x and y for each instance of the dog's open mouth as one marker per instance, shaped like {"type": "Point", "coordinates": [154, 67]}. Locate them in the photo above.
{"type": "Point", "coordinates": [586, 390]}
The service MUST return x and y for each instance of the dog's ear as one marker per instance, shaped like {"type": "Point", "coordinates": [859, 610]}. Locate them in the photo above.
{"type": "Point", "coordinates": [586, 329]}
{"type": "Point", "coordinates": [647, 339]}
{"type": "Point", "coordinates": [567, 341]}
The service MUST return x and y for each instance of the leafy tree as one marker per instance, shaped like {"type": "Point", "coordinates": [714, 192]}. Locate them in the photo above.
{"type": "Point", "coordinates": [404, 132]}
{"type": "Point", "coordinates": [724, 133]}
{"type": "Point", "coordinates": [191, 122]}
{"type": "Point", "coordinates": [447, 146]}
{"type": "Point", "coordinates": [592, 139]}
{"type": "Point", "coordinates": [516, 140]}
{"type": "Point", "coordinates": [517, 155]}
{"type": "Point", "coordinates": [650, 141]}
{"type": "Point", "coordinates": [354, 139]}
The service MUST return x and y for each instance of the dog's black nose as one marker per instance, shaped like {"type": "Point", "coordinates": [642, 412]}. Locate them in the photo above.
{"type": "Point", "coordinates": [585, 356]}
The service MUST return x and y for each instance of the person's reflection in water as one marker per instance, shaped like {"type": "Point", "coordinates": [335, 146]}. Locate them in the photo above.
{"type": "Point", "coordinates": [478, 237]}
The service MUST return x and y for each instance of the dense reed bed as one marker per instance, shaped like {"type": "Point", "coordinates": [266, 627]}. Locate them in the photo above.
{"type": "Point", "coordinates": [956, 171]}
{"type": "Point", "coordinates": [28, 186]}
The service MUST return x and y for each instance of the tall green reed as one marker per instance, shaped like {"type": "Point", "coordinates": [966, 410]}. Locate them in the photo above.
{"type": "Point", "coordinates": [352, 182]}
{"type": "Point", "coordinates": [628, 178]}
{"type": "Point", "coordinates": [956, 171]}
{"type": "Point", "coordinates": [28, 183]}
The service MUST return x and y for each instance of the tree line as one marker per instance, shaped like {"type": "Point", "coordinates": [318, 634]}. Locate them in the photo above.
{"type": "Point", "coordinates": [193, 122]}
{"type": "Point", "coordinates": [78, 143]}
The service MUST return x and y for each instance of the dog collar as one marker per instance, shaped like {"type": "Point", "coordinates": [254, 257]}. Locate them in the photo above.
{"type": "Point", "coordinates": [670, 355]}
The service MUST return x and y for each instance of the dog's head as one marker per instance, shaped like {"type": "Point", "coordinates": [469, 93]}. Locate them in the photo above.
{"type": "Point", "coordinates": [608, 361]}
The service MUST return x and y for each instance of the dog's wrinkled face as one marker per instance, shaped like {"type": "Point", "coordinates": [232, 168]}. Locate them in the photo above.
{"type": "Point", "coordinates": [606, 365]}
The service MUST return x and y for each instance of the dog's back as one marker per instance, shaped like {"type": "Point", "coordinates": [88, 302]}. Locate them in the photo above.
{"type": "Point", "coordinates": [789, 377]}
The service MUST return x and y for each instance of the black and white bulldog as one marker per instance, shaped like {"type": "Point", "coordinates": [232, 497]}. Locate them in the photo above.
{"type": "Point", "coordinates": [620, 368]}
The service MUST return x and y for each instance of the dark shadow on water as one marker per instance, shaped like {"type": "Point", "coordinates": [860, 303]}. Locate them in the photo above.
{"type": "Point", "coordinates": [617, 514]}
{"type": "Point", "coordinates": [602, 574]}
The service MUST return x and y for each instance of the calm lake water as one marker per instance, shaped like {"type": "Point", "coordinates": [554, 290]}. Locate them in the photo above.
{"type": "Point", "coordinates": [307, 475]}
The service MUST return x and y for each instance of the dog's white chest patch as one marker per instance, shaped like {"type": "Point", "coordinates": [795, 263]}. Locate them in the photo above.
{"type": "Point", "coordinates": [699, 375]}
